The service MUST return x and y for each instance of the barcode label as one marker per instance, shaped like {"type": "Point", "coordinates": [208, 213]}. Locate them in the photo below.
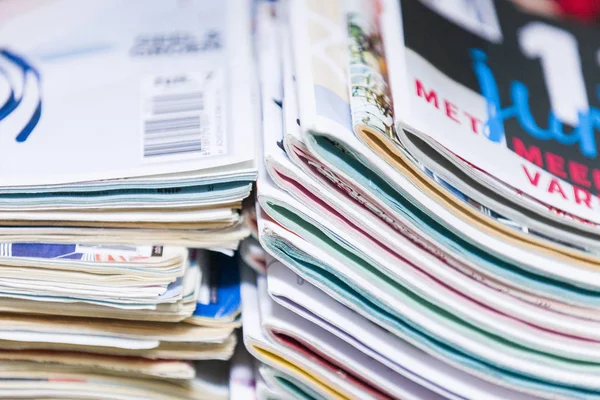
{"type": "Point", "coordinates": [183, 115]}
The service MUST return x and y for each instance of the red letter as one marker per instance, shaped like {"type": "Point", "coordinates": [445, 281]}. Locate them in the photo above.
{"type": "Point", "coordinates": [432, 95]}
{"type": "Point", "coordinates": [535, 180]}
{"type": "Point", "coordinates": [533, 154]}
{"type": "Point", "coordinates": [475, 122]}
{"type": "Point", "coordinates": [451, 110]}
{"type": "Point", "coordinates": [556, 165]}
{"type": "Point", "coordinates": [596, 178]}
{"type": "Point", "coordinates": [579, 173]}
{"type": "Point", "coordinates": [554, 186]}
{"type": "Point", "coordinates": [577, 191]}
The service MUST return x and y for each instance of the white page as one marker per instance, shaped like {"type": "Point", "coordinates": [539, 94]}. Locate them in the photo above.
{"type": "Point", "coordinates": [268, 387]}
{"type": "Point", "coordinates": [282, 320]}
{"type": "Point", "coordinates": [252, 324]}
{"type": "Point", "coordinates": [79, 339]}
{"type": "Point", "coordinates": [302, 297]}
{"type": "Point", "coordinates": [181, 215]}
{"type": "Point", "coordinates": [256, 303]}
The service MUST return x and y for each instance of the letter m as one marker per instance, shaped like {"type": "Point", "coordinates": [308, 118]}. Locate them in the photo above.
{"type": "Point", "coordinates": [430, 96]}
{"type": "Point", "coordinates": [531, 154]}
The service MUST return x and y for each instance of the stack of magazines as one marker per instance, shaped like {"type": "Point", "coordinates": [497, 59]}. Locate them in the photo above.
{"type": "Point", "coordinates": [127, 143]}
{"type": "Point", "coordinates": [428, 203]}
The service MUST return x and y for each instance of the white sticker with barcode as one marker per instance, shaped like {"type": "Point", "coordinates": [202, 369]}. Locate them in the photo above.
{"type": "Point", "coordinates": [183, 115]}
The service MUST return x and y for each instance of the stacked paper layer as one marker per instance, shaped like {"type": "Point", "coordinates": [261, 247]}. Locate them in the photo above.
{"type": "Point", "coordinates": [127, 145]}
{"type": "Point", "coordinates": [80, 319]}
{"type": "Point", "coordinates": [419, 247]}
{"type": "Point", "coordinates": [133, 134]}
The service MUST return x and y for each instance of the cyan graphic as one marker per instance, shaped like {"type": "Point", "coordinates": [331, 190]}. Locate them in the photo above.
{"type": "Point", "coordinates": [582, 134]}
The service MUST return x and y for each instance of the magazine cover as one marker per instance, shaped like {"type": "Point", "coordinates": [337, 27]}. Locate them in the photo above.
{"type": "Point", "coordinates": [506, 95]}
{"type": "Point", "coordinates": [158, 90]}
